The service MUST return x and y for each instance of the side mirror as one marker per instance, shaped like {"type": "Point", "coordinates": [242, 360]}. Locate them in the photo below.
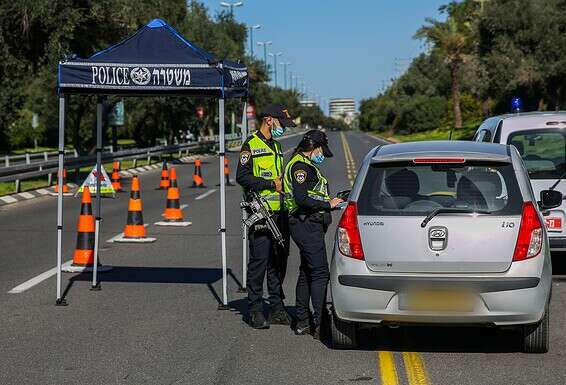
{"type": "Point", "coordinates": [550, 199]}
{"type": "Point", "coordinates": [344, 194]}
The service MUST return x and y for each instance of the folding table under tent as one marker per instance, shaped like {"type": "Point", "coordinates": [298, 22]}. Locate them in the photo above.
{"type": "Point", "coordinates": [155, 61]}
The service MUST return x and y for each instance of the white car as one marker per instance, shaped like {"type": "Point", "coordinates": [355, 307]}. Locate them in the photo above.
{"type": "Point", "coordinates": [442, 233]}
{"type": "Point", "coordinates": [540, 138]}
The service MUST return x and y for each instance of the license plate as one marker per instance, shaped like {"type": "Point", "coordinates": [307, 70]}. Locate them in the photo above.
{"type": "Point", "coordinates": [553, 223]}
{"type": "Point", "coordinates": [437, 300]}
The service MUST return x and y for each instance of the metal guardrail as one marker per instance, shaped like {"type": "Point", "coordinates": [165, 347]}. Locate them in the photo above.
{"type": "Point", "coordinates": [49, 167]}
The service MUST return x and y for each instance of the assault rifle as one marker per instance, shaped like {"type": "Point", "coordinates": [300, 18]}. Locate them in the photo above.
{"type": "Point", "coordinates": [257, 206]}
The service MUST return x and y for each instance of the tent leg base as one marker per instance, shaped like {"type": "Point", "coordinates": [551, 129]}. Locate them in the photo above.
{"type": "Point", "coordinates": [61, 302]}
{"type": "Point", "coordinates": [96, 287]}
{"type": "Point", "coordinates": [242, 290]}
{"type": "Point", "coordinates": [223, 307]}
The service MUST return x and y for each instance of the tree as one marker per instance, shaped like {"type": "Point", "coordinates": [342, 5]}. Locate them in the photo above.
{"type": "Point", "coordinates": [452, 41]}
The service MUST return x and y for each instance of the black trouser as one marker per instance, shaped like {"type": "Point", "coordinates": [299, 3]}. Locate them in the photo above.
{"type": "Point", "coordinates": [267, 256]}
{"type": "Point", "coordinates": [308, 234]}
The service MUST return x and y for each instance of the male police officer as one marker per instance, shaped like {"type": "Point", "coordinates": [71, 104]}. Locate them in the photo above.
{"type": "Point", "coordinates": [260, 169]}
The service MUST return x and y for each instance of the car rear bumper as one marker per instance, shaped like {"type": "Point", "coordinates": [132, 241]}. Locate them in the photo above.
{"type": "Point", "coordinates": [512, 298]}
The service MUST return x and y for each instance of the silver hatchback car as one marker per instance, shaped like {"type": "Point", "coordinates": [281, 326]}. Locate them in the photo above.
{"type": "Point", "coordinates": [443, 233]}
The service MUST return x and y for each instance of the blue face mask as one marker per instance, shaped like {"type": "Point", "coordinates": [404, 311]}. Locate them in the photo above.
{"type": "Point", "coordinates": [277, 131]}
{"type": "Point", "coordinates": [317, 159]}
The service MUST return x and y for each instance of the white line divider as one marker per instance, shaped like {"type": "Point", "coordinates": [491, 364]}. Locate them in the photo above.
{"type": "Point", "coordinates": [37, 279]}
{"type": "Point", "coordinates": [202, 196]}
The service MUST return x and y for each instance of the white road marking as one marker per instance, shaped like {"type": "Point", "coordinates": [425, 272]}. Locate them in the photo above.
{"type": "Point", "coordinates": [9, 199]}
{"type": "Point", "coordinates": [26, 195]}
{"type": "Point", "coordinates": [183, 206]}
{"type": "Point", "coordinates": [202, 196]}
{"type": "Point", "coordinates": [36, 280]}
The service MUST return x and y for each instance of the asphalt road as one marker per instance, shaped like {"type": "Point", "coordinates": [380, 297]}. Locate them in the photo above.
{"type": "Point", "coordinates": [155, 321]}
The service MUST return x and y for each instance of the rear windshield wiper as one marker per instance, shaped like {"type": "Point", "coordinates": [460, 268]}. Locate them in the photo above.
{"type": "Point", "coordinates": [457, 210]}
{"type": "Point", "coordinates": [558, 181]}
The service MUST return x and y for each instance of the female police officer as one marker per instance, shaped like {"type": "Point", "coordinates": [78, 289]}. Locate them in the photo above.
{"type": "Point", "coordinates": [309, 206]}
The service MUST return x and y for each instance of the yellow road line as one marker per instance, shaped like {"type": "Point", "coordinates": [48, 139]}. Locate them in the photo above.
{"type": "Point", "coordinates": [414, 366]}
{"type": "Point", "coordinates": [350, 163]}
{"type": "Point", "coordinates": [387, 369]}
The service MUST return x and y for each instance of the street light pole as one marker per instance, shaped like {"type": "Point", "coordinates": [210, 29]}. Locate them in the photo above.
{"type": "Point", "coordinates": [291, 80]}
{"type": "Point", "coordinates": [265, 44]}
{"type": "Point", "coordinates": [251, 28]}
{"type": "Point", "coordinates": [232, 6]}
{"type": "Point", "coordinates": [274, 55]}
{"type": "Point", "coordinates": [285, 64]}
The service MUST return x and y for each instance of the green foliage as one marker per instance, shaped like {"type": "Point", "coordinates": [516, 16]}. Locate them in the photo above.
{"type": "Point", "coordinates": [39, 33]}
{"type": "Point", "coordinates": [478, 58]}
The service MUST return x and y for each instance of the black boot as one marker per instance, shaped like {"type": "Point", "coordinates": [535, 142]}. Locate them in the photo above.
{"type": "Point", "coordinates": [279, 316]}
{"type": "Point", "coordinates": [257, 320]}
{"type": "Point", "coordinates": [303, 327]}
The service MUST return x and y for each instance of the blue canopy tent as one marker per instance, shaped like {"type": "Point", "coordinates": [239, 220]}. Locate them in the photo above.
{"type": "Point", "coordinates": [154, 61]}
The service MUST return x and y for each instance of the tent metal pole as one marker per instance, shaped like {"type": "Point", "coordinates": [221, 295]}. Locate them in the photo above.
{"type": "Point", "coordinates": [224, 305]}
{"type": "Point", "coordinates": [244, 212]}
{"type": "Point", "coordinates": [60, 300]}
{"type": "Point", "coordinates": [99, 107]}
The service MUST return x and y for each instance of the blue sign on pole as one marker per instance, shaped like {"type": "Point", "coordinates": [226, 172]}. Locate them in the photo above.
{"type": "Point", "coordinates": [116, 116]}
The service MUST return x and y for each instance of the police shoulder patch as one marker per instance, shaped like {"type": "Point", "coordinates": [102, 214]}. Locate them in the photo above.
{"type": "Point", "coordinates": [245, 157]}
{"type": "Point", "coordinates": [300, 176]}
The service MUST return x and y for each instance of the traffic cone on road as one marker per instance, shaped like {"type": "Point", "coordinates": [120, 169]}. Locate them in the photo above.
{"type": "Point", "coordinates": [198, 181]}
{"type": "Point", "coordinates": [83, 258]}
{"type": "Point", "coordinates": [227, 171]}
{"type": "Point", "coordinates": [173, 214]}
{"type": "Point", "coordinates": [115, 178]}
{"type": "Point", "coordinates": [134, 231]}
{"type": "Point", "coordinates": [66, 191]}
{"type": "Point", "coordinates": [164, 182]}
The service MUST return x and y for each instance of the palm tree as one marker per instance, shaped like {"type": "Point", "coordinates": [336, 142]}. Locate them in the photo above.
{"type": "Point", "coordinates": [452, 41]}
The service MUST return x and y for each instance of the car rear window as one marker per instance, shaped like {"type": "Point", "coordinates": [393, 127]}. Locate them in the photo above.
{"type": "Point", "coordinates": [407, 188]}
{"type": "Point", "coordinates": [542, 150]}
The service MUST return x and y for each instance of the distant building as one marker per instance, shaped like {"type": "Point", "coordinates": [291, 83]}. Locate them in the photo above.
{"type": "Point", "coordinates": [343, 109]}
{"type": "Point", "coordinates": [308, 103]}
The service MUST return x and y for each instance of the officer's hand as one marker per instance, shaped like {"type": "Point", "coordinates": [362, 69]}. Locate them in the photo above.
{"type": "Point", "coordinates": [278, 185]}
{"type": "Point", "coordinates": [335, 201]}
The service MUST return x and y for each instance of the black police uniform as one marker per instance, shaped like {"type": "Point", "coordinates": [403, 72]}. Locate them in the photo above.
{"type": "Point", "coordinates": [266, 255]}
{"type": "Point", "coordinates": [308, 226]}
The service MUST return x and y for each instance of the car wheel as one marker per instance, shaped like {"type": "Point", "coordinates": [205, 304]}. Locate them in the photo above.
{"type": "Point", "coordinates": [536, 336]}
{"type": "Point", "coordinates": [343, 333]}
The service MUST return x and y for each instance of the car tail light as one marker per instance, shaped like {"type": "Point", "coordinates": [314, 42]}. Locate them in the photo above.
{"type": "Point", "coordinates": [349, 240]}
{"type": "Point", "coordinates": [529, 241]}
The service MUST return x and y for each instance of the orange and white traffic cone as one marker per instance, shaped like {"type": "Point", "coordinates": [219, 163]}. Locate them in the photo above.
{"type": "Point", "coordinates": [115, 178]}
{"type": "Point", "coordinates": [173, 214]}
{"type": "Point", "coordinates": [134, 231]}
{"type": "Point", "coordinates": [66, 191]}
{"type": "Point", "coordinates": [198, 181]}
{"type": "Point", "coordinates": [164, 182]}
{"type": "Point", "coordinates": [227, 171]}
{"type": "Point", "coordinates": [83, 258]}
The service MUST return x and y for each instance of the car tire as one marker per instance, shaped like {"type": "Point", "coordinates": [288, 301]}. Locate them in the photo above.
{"type": "Point", "coordinates": [343, 333]}
{"type": "Point", "coordinates": [536, 336]}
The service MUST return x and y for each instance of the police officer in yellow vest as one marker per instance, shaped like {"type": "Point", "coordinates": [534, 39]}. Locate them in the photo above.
{"type": "Point", "coordinates": [309, 208]}
{"type": "Point", "coordinates": [260, 169]}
